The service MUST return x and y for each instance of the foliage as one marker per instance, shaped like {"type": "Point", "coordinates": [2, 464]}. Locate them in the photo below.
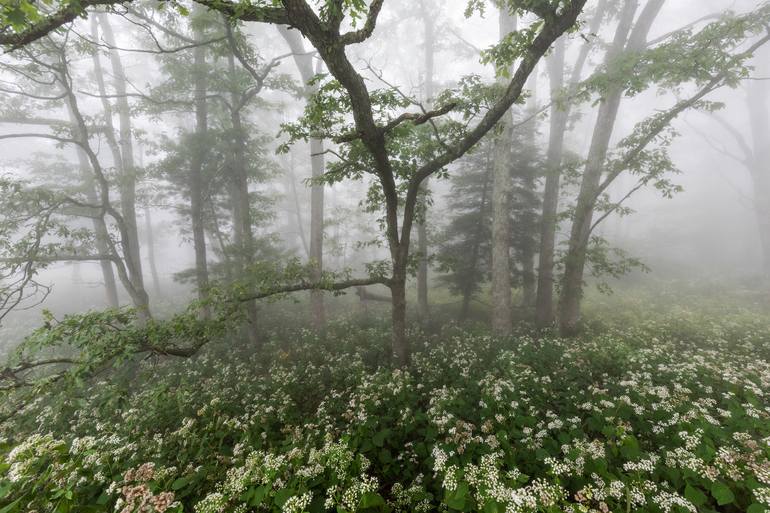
{"type": "Point", "coordinates": [667, 414]}
{"type": "Point", "coordinates": [465, 253]}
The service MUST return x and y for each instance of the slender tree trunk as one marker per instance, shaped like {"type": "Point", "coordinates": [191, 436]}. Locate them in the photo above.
{"type": "Point", "coordinates": [126, 165]}
{"type": "Point", "coordinates": [759, 158]}
{"type": "Point", "coordinates": [242, 221]}
{"type": "Point", "coordinates": [99, 226]}
{"type": "Point", "coordinates": [528, 280]}
{"type": "Point", "coordinates": [304, 62]}
{"type": "Point", "coordinates": [544, 315]}
{"type": "Point", "coordinates": [574, 266]}
{"type": "Point", "coordinates": [422, 232]}
{"type": "Point", "coordinates": [150, 238]}
{"type": "Point", "coordinates": [139, 297]}
{"type": "Point", "coordinates": [317, 230]}
{"type": "Point", "coordinates": [544, 303]}
{"type": "Point", "coordinates": [501, 212]}
{"type": "Point", "coordinates": [196, 170]}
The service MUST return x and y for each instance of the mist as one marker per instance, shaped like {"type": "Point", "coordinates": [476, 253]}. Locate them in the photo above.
{"type": "Point", "coordinates": [326, 255]}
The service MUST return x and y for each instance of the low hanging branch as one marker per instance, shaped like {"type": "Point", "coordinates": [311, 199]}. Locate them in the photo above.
{"type": "Point", "coordinates": [303, 285]}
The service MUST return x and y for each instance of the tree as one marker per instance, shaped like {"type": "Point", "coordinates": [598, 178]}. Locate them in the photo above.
{"type": "Point", "coordinates": [558, 127]}
{"type": "Point", "coordinates": [304, 61]}
{"type": "Point", "coordinates": [630, 67]}
{"type": "Point", "coordinates": [375, 143]}
{"type": "Point", "coordinates": [465, 253]}
{"type": "Point", "coordinates": [49, 62]}
{"type": "Point", "coordinates": [501, 200]}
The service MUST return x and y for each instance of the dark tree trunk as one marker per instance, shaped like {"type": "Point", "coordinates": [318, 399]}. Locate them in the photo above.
{"type": "Point", "coordinates": [242, 221]}
{"type": "Point", "coordinates": [196, 171]}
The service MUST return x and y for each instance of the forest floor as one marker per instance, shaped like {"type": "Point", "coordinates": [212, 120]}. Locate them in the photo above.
{"type": "Point", "coordinates": [668, 412]}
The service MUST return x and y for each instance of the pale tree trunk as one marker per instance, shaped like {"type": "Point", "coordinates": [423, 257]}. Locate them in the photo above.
{"type": "Point", "coordinates": [428, 22]}
{"type": "Point", "coordinates": [304, 62]}
{"type": "Point", "coordinates": [544, 315]}
{"type": "Point", "coordinates": [528, 280]}
{"type": "Point", "coordinates": [242, 221]}
{"type": "Point", "coordinates": [574, 265]}
{"type": "Point", "coordinates": [196, 171]}
{"type": "Point", "coordinates": [139, 297]}
{"type": "Point", "coordinates": [100, 227]}
{"type": "Point", "coordinates": [759, 155]}
{"type": "Point", "coordinates": [544, 302]}
{"type": "Point", "coordinates": [126, 165]}
{"type": "Point", "coordinates": [291, 180]}
{"type": "Point", "coordinates": [501, 212]}
{"type": "Point", "coordinates": [150, 238]}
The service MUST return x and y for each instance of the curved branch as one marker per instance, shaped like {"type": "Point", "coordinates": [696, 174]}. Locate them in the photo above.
{"type": "Point", "coordinates": [68, 13]}
{"type": "Point", "coordinates": [358, 36]}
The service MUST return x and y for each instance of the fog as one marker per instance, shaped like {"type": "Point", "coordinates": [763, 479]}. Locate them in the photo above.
{"type": "Point", "coordinates": [383, 190]}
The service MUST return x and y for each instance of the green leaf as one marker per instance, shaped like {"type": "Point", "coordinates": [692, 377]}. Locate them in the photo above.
{"type": "Point", "coordinates": [259, 495]}
{"type": "Point", "coordinates": [11, 506]}
{"type": "Point", "coordinates": [722, 493]}
{"type": "Point", "coordinates": [180, 483]}
{"type": "Point", "coordinates": [281, 496]}
{"type": "Point", "coordinates": [379, 438]}
{"type": "Point", "coordinates": [456, 499]}
{"type": "Point", "coordinates": [694, 495]}
{"type": "Point", "coordinates": [756, 508]}
{"type": "Point", "coordinates": [371, 500]}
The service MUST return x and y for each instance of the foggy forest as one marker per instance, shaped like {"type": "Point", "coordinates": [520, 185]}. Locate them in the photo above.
{"type": "Point", "coordinates": [303, 256]}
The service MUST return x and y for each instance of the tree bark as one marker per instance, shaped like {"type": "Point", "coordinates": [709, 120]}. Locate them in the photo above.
{"type": "Point", "coordinates": [501, 212]}
{"type": "Point", "coordinates": [126, 164]}
{"type": "Point", "coordinates": [759, 156]}
{"type": "Point", "coordinates": [428, 22]}
{"type": "Point", "coordinates": [242, 221]}
{"type": "Point", "coordinates": [197, 158]}
{"type": "Point", "coordinates": [304, 63]}
{"type": "Point", "coordinates": [544, 302]}
{"type": "Point", "coordinates": [98, 223]}
{"type": "Point", "coordinates": [574, 265]}
{"type": "Point", "coordinates": [528, 279]}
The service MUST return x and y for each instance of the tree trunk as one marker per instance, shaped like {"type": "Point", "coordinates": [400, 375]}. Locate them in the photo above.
{"type": "Point", "coordinates": [422, 232]}
{"type": "Point", "coordinates": [398, 311]}
{"type": "Point", "coordinates": [501, 213]}
{"type": "Point", "coordinates": [99, 226]}
{"type": "Point", "coordinates": [196, 171]}
{"type": "Point", "coordinates": [304, 62]}
{"type": "Point", "coordinates": [150, 238]}
{"type": "Point", "coordinates": [574, 265]}
{"type": "Point", "coordinates": [528, 280]}
{"type": "Point", "coordinates": [126, 165]}
{"type": "Point", "coordinates": [759, 158]}
{"type": "Point", "coordinates": [242, 222]}
{"type": "Point", "coordinates": [317, 230]}
{"type": "Point", "coordinates": [544, 315]}
{"type": "Point", "coordinates": [544, 303]}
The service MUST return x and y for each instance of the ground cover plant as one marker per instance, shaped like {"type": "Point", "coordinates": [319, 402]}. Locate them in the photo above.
{"type": "Point", "coordinates": [666, 414]}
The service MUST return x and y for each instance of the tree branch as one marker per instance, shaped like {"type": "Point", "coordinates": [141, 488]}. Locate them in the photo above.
{"type": "Point", "coordinates": [69, 12]}
{"type": "Point", "coordinates": [363, 34]}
